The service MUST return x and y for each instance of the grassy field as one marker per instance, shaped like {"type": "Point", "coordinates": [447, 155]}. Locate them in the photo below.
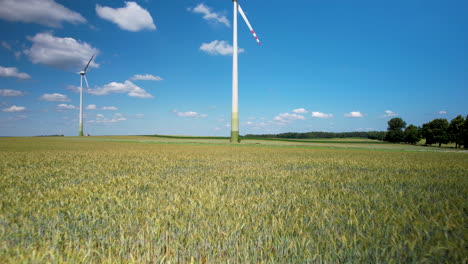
{"type": "Point", "coordinates": [152, 200]}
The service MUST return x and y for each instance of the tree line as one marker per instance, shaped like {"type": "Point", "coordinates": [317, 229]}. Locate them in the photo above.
{"type": "Point", "coordinates": [307, 135]}
{"type": "Point", "coordinates": [438, 131]}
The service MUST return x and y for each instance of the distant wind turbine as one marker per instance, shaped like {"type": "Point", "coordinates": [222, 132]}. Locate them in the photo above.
{"type": "Point", "coordinates": [83, 75]}
{"type": "Point", "coordinates": [235, 75]}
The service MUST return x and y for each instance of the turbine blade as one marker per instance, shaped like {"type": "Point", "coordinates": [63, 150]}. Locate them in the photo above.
{"type": "Point", "coordinates": [88, 63]}
{"type": "Point", "coordinates": [248, 24]}
{"type": "Point", "coordinates": [86, 80]}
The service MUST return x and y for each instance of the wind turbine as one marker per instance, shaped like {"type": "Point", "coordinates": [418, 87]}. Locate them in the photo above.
{"type": "Point", "coordinates": [83, 76]}
{"type": "Point", "coordinates": [235, 75]}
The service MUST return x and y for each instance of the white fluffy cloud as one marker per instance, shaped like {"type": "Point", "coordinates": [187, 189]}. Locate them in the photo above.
{"type": "Point", "coordinates": [55, 97]}
{"type": "Point", "coordinates": [132, 17]}
{"type": "Point", "coordinates": [209, 15]}
{"type": "Point", "coordinates": [354, 114]}
{"type": "Point", "coordinates": [100, 118]}
{"type": "Point", "coordinates": [442, 112]}
{"type": "Point", "coordinates": [218, 47]}
{"type": "Point", "coordinates": [14, 108]}
{"type": "Point", "coordinates": [73, 88]}
{"type": "Point", "coordinates": [300, 111]}
{"type": "Point", "coordinates": [127, 87]}
{"type": "Point", "coordinates": [44, 12]}
{"type": "Point", "coordinates": [146, 77]}
{"type": "Point", "coordinates": [321, 115]}
{"type": "Point", "coordinates": [13, 72]}
{"type": "Point", "coordinates": [113, 120]}
{"type": "Point", "coordinates": [10, 93]}
{"type": "Point", "coordinates": [94, 107]}
{"type": "Point", "coordinates": [389, 113]}
{"type": "Point", "coordinates": [109, 108]}
{"type": "Point", "coordinates": [61, 53]}
{"type": "Point", "coordinates": [65, 106]}
{"type": "Point", "coordinates": [189, 114]}
{"type": "Point", "coordinates": [288, 117]}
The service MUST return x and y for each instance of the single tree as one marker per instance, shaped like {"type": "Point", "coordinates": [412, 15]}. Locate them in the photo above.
{"type": "Point", "coordinates": [436, 131]}
{"type": "Point", "coordinates": [455, 130]}
{"type": "Point", "coordinates": [395, 132]}
{"type": "Point", "coordinates": [396, 123]}
{"type": "Point", "coordinates": [412, 134]}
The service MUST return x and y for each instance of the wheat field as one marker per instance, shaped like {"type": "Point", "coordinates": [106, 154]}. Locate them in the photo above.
{"type": "Point", "coordinates": [96, 201]}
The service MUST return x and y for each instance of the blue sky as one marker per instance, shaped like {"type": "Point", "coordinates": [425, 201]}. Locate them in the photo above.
{"type": "Point", "coordinates": [164, 67]}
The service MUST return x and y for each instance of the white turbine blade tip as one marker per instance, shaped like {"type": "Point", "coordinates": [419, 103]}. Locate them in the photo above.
{"type": "Point", "coordinates": [248, 25]}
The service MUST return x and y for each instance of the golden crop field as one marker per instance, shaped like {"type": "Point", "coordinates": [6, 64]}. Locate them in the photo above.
{"type": "Point", "coordinates": [97, 201]}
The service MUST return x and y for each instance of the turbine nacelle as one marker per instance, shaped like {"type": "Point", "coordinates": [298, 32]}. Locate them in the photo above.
{"type": "Point", "coordinates": [82, 72]}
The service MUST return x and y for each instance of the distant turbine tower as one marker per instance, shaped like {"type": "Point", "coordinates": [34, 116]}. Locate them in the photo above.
{"type": "Point", "coordinates": [235, 75]}
{"type": "Point", "coordinates": [83, 75]}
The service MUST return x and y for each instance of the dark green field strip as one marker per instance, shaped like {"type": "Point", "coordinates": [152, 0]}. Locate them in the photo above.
{"type": "Point", "coordinates": [275, 139]}
{"type": "Point", "coordinates": [184, 137]}
{"type": "Point", "coordinates": [317, 141]}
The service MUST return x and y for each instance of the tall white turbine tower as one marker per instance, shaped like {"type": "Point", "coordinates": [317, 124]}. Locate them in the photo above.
{"type": "Point", "coordinates": [235, 75]}
{"type": "Point", "coordinates": [83, 75]}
